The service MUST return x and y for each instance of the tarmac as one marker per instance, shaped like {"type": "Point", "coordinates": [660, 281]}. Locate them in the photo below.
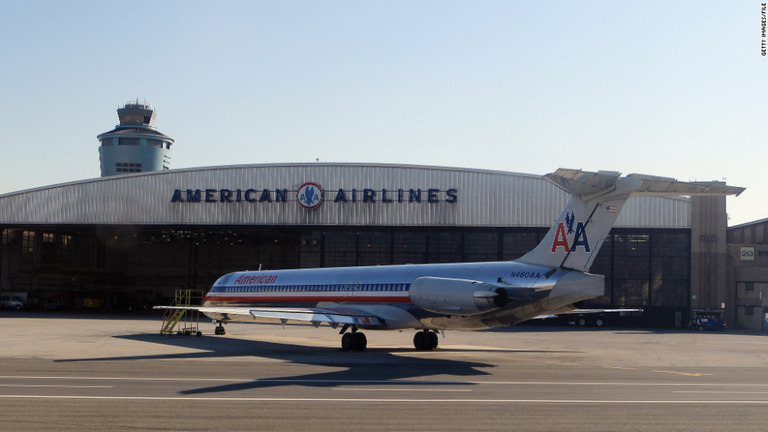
{"type": "Point", "coordinates": [80, 372]}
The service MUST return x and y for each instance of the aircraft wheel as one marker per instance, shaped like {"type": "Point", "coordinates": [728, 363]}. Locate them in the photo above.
{"type": "Point", "coordinates": [346, 342]}
{"type": "Point", "coordinates": [432, 340]}
{"type": "Point", "coordinates": [359, 342]}
{"type": "Point", "coordinates": [420, 341]}
{"type": "Point", "coordinates": [425, 340]}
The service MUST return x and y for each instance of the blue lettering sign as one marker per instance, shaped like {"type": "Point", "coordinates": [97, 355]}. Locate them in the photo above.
{"type": "Point", "coordinates": [384, 197]}
{"type": "Point", "coordinates": [451, 195]}
{"type": "Point", "coordinates": [369, 195]}
{"type": "Point", "coordinates": [193, 195]}
{"type": "Point", "coordinates": [432, 195]}
{"type": "Point", "coordinates": [177, 196]}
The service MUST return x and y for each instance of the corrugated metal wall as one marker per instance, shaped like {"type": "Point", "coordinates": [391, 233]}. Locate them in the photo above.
{"type": "Point", "coordinates": [484, 198]}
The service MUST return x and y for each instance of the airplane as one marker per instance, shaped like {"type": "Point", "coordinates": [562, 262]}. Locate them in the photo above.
{"type": "Point", "coordinates": [549, 280]}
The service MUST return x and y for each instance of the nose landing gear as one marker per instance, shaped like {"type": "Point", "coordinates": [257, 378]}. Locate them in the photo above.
{"type": "Point", "coordinates": [220, 329]}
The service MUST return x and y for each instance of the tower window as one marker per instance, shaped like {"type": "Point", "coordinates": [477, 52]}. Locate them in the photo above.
{"type": "Point", "coordinates": [129, 141]}
{"type": "Point", "coordinates": [122, 167]}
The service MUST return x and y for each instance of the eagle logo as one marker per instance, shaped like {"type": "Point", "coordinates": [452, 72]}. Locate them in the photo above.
{"type": "Point", "coordinates": [570, 218]}
{"type": "Point", "coordinates": [309, 195]}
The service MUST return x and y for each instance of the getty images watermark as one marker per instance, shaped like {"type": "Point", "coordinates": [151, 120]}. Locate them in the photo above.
{"type": "Point", "coordinates": [763, 7]}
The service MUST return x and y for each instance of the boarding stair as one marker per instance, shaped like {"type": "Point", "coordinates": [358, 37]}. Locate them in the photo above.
{"type": "Point", "coordinates": [183, 321]}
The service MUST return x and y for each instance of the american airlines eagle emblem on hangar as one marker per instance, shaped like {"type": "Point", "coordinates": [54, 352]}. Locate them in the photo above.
{"type": "Point", "coordinates": [310, 195]}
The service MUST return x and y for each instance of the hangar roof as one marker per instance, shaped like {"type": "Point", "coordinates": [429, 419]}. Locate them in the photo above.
{"type": "Point", "coordinates": [346, 194]}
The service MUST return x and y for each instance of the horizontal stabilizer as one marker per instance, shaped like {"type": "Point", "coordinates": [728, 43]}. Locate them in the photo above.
{"type": "Point", "coordinates": [662, 186]}
{"type": "Point", "coordinates": [583, 183]}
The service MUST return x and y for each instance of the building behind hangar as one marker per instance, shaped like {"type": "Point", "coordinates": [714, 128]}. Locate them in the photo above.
{"type": "Point", "coordinates": [748, 273]}
{"type": "Point", "coordinates": [131, 240]}
{"type": "Point", "coordinates": [134, 145]}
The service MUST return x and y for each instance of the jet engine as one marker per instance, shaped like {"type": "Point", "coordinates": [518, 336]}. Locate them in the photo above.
{"type": "Point", "coordinates": [456, 296]}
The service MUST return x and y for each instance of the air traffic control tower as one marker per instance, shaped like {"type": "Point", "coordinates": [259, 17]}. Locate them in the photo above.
{"type": "Point", "coordinates": [135, 145]}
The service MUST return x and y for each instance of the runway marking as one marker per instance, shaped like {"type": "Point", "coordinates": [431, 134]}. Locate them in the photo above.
{"type": "Point", "coordinates": [402, 390]}
{"type": "Point", "coordinates": [621, 368]}
{"type": "Point", "coordinates": [389, 382]}
{"type": "Point", "coordinates": [717, 392]}
{"type": "Point", "coordinates": [691, 374]}
{"type": "Point", "coordinates": [399, 400]}
{"type": "Point", "coordinates": [54, 386]}
{"type": "Point", "coordinates": [82, 378]}
{"type": "Point", "coordinates": [683, 373]}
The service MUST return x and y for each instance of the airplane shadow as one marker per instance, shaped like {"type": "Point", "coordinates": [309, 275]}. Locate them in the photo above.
{"type": "Point", "coordinates": [379, 366]}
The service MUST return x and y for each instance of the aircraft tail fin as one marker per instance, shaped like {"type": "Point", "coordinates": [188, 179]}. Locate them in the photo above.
{"type": "Point", "coordinates": [596, 200]}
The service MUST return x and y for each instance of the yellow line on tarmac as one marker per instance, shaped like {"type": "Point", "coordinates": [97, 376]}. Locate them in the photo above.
{"type": "Point", "coordinates": [562, 363]}
{"type": "Point", "coordinates": [691, 374]}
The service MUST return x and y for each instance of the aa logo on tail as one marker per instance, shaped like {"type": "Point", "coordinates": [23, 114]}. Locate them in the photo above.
{"type": "Point", "coordinates": [568, 237]}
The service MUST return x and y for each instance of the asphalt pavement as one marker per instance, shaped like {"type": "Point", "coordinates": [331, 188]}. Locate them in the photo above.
{"type": "Point", "coordinates": [68, 372]}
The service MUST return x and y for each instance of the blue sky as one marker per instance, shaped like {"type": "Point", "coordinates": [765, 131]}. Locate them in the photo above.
{"type": "Point", "coordinates": [677, 89]}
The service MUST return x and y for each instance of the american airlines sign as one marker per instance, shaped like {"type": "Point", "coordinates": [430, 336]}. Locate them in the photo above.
{"type": "Point", "coordinates": [310, 195]}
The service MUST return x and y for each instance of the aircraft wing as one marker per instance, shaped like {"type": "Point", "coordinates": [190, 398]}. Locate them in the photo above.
{"type": "Point", "coordinates": [332, 316]}
{"type": "Point", "coordinates": [591, 311]}
{"type": "Point", "coordinates": [318, 315]}
{"type": "Point", "coordinates": [586, 312]}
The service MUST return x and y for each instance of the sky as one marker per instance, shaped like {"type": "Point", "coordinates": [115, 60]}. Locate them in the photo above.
{"type": "Point", "coordinates": [676, 89]}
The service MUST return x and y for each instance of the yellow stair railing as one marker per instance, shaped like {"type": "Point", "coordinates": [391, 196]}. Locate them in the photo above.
{"type": "Point", "coordinates": [186, 319]}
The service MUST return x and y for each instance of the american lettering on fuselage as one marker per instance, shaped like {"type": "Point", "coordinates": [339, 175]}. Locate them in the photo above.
{"type": "Point", "coordinates": [260, 279]}
{"type": "Point", "coordinates": [550, 279]}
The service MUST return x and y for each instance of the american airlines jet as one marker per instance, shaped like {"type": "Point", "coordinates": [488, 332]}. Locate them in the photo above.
{"type": "Point", "coordinates": [551, 279]}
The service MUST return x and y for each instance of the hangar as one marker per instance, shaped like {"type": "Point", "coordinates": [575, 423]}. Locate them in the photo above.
{"type": "Point", "coordinates": [130, 240]}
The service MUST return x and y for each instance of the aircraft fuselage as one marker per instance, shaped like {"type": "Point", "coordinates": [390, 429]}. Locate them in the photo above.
{"type": "Point", "coordinates": [530, 291]}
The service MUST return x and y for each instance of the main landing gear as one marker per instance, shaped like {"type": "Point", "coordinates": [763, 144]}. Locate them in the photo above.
{"type": "Point", "coordinates": [353, 341]}
{"type": "Point", "coordinates": [425, 340]}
